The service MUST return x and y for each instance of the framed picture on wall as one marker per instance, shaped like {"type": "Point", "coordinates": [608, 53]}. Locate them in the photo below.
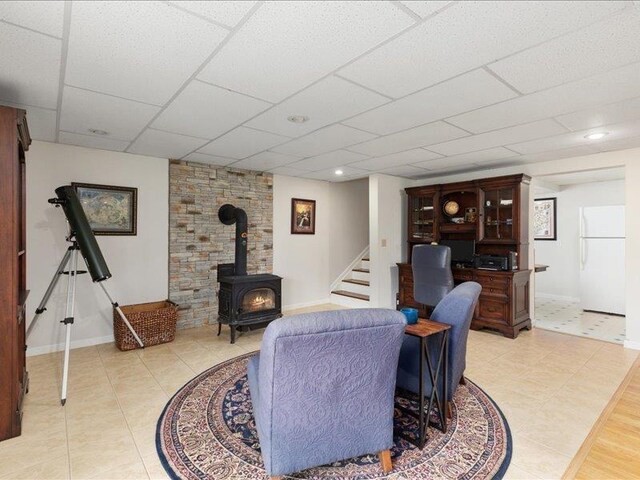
{"type": "Point", "coordinates": [110, 210]}
{"type": "Point", "coordinates": [303, 216]}
{"type": "Point", "coordinates": [544, 219]}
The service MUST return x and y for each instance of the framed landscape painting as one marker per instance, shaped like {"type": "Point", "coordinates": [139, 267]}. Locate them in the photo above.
{"type": "Point", "coordinates": [110, 210]}
{"type": "Point", "coordinates": [544, 219]}
{"type": "Point", "coordinates": [303, 216]}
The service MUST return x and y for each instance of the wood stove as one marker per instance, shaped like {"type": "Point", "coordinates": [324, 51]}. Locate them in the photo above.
{"type": "Point", "coordinates": [245, 301]}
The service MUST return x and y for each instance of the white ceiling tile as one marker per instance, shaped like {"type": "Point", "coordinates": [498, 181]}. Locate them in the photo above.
{"type": "Point", "coordinates": [441, 164]}
{"type": "Point", "coordinates": [324, 140]}
{"type": "Point", "coordinates": [101, 143]}
{"type": "Point", "coordinates": [164, 144]}
{"type": "Point", "coordinates": [466, 36]}
{"type": "Point", "coordinates": [608, 87]}
{"type": "Point", "coordinates": [471, 157]}
{"type": "Point", "coordinates": [45, 17]}
{"type": "Point", "coordinates": [608, 44]}
{"type": "Point", "coordinates": [619, 144]}
{"type": "Point", "coordinates": [578, 151]}
{"type": "Point", "coordinates": [123, 119]}
{"type": "Point", "coordinates": [328, 101]}
{"type": "Point", "coordinates": [243, 142]}
{"type": "Point", "coordinates": [41, 121]}
{"type": "Point", "coordinates": [396, 159]}
{"type": "Point", "coordinates": [407, 171]}
{"type": "Point", "coordinates": [225, 12]}
{"type": "Point", "coordinates": [202, 110]}
{"type": "Point", "coordinates": [424, 8]}
{"type": "Point", "coordinates": [461, 94]}
{"type": "Point", "coordinates": [617, 131]}
{"type": "Point", "coordinates": [602, 115]}
{"type": "Point", "coordinates": [30, 67]}
{"type": "Point", "coordinates": [288, 171]}
{"type": "Point", "coordinates": [287, 45]}
{"type": "Point", "coordinates": [328, 160]}
{"type": "Point", "coordinates": [483, 141]}
{"type": "Point", "coordinates": [503, 162]}
{"type": "Point", "coordinates": [348, 173]}
{"type": "Point", "coordinates": [416, 137]}
{"type": "Point", "coordinates": [584, 176]}
{"type": "Point", "coordinates": [115, 48]}
{"type": "Point", "coordinates": [210, 159]}
{"type": "Point", "coordinates": [264, 161]}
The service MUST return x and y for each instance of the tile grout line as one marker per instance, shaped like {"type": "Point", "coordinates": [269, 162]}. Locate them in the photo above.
{"type": "Point", "coordinates": [115, 394]}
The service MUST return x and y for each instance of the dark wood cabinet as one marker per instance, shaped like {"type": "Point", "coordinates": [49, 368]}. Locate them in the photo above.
{"type": "Point", "coordinates": [14, 381]}
{"type": "Point", "coordinates": [504, 300]}
{"type": "Point", "coordinates": [494, 213]}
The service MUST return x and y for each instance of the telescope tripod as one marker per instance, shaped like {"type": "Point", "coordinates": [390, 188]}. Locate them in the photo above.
{"type": "Point", "coordinates": [69, 266]}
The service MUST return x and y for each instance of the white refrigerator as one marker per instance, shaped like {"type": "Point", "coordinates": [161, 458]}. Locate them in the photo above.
{"type": "Point", "coordinates": [602, 260]}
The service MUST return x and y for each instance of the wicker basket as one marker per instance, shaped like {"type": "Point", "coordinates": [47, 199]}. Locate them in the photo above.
{"type": "Point", "coordinates": [154, 323]}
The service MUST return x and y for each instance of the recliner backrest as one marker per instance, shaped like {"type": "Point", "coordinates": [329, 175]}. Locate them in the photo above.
{"type": "Point", "coordinates": [432, 276]}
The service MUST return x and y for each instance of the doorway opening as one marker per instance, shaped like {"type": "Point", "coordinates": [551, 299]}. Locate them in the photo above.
{"type": "Point", "coordinates": [579, 251]}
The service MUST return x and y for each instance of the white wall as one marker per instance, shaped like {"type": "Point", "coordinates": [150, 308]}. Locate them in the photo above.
{"type": "Point", "coordinates": [139, 264]}
{"type": "Point", "coordinates": [349, 207]}
{"type": "Point", "coordinates": [630, 159]}
{"type": "Point", "coordinates": [388, 236]}
{"type": "Point", "coordinates": [562, 256]}
{"type": "Point", "coordinates": [310, 263]}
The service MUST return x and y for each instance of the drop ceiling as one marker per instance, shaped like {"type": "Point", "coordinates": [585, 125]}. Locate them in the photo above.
{"type": "Point", "coordinates": [413, 89]}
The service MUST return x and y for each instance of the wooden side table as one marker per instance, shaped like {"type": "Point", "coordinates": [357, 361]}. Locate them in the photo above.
{"type": "Point", "coordinates": [423, 330]}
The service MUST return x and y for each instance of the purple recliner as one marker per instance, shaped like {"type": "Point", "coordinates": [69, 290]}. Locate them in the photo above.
{"type": "Point", "coordinates": [323, 387]}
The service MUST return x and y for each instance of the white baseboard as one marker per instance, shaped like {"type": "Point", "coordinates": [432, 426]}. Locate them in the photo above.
{"type": "Point", "coordinates": [88, 342]}
{"type": "Point", "coordinates": [295, 306]}
{"type": "Point", "coordinates": [551, 296]}
{"type": "Point", "coordinates": [632, 345]}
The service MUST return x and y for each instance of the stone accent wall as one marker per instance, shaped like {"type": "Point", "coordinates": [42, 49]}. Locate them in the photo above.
{"type": "Point", "coordinates": [198, 241]}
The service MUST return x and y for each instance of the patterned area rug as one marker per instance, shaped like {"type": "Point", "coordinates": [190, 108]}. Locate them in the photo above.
{"type": "Point", "coordinates": [207, 431]}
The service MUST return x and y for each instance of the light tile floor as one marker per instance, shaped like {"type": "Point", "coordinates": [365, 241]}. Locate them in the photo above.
{"type": "Point", "coordinates": [567, 317]}
{"type": "Point", "coordinates": [551, 387]}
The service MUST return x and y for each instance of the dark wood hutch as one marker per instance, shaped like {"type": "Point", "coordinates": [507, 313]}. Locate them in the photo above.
{"type": "Point", "coordinates": [14, 142]}
{"type": "Point", "coordinates": [495, 213]}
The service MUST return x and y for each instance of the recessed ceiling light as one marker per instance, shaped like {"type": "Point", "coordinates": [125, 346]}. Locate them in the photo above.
{"type": "Point", "coordinates": [596, 135]}
{"type": "Point", "coordinates": [298, 118]}
{"type": "Point", "coordinates": [339, 172]}
{"type": "Point", "coordinates": [97, 131]}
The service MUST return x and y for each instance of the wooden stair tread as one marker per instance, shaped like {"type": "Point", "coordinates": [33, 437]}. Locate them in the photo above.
{"type": "Point", "coordinates": [356, 281]}
{"type": "Point", "coordinates": [361, 270]}
{"type": "Point", "coordinates": [344, 293]}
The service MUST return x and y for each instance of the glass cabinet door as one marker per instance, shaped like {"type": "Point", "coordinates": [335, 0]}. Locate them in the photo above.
{"type": "Point", "coordinates": [422, 218]}
{"type": "Point", "coordinates": [499, 211]}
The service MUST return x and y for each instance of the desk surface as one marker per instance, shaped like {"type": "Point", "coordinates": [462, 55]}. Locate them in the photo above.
{"type": "Point", "coordinates": [425, 328]}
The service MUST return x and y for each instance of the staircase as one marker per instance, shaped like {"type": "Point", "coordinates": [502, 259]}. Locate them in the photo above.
{"type": "Point", "coordinates": [353, 290]}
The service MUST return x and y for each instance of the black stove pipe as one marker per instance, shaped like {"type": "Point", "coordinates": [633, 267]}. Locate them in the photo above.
{"type": "Point", "coordinates": [228, 214]}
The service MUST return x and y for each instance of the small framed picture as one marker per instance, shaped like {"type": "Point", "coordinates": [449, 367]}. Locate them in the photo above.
{"type": "Point", "coordinates": [303, 216]}
{"type": "Point", "coordinates": [110, 210]}
{"type": "Point", "coordinates": [544, 219]}
{"type": "Point", "coordinates": [470, 215]}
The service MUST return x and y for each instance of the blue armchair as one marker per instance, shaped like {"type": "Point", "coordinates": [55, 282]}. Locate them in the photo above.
{"type": "Point", "coordinates": [323, 388]}
{"type": "Point", "coordinates": [455, 309]}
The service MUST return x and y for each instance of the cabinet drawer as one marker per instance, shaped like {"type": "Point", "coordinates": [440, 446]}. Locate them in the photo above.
{"type": "Point", "coordinates": [493, 310]}
{"type": "Point", "coordinates": [496, 290]}
{"type": "Point", "coordinates": [487, 279]}
{"type": "Point", "coordinates": [463, 276]}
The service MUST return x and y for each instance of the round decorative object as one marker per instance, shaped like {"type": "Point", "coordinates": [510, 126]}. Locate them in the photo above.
{"type": "Point", "coordinates": [207, 431]}
{"type": "Point", "coordinates": [451, 207]}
